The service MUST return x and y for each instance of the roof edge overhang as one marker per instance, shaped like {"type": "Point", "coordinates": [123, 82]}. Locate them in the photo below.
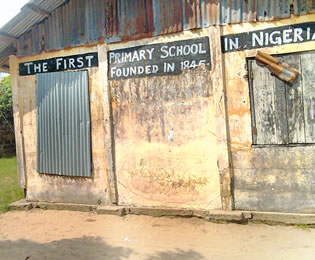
{"type": "Point", "coordinates": [209, 13]}
{"type": "Point", "coordinates": [33, 12]}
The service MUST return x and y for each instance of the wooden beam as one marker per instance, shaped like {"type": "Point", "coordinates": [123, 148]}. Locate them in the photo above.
{"type": "Point", "coordinates": [4, 55]}
{"type": "Point", "coordinates": [7, 37]}
{"type": "Point", "coordinates": [37, 9]}
{"type": "Point", "coordinates": [5, 68]}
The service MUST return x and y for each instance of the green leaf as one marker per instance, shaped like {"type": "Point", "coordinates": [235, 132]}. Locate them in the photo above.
{"type": "Point", "coordinates": [6, 97]}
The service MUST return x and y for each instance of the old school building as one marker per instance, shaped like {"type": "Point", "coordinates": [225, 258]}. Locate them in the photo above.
{"type": "Point", "coordinates": [201, 104]}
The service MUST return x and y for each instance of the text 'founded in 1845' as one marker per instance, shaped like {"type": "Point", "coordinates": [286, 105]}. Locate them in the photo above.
{"type": "Point", "coordinates": [159, 59]}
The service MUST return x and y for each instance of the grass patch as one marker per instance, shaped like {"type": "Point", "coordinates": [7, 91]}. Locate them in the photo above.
{"type": "Point", "coordinates": [305, 227]}
{"type": "Point", "coordinates": [10, 191]}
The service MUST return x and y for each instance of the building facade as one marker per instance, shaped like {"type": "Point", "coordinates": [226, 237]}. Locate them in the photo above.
{"type": "Point", "coordinates": [162, 104]}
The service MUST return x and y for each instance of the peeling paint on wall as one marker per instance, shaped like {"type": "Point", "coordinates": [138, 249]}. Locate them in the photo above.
{"type": "Point", "coordinates": [165, 141]}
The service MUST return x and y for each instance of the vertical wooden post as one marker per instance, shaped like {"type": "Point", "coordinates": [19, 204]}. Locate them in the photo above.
{"type": "Point", "coordinates": [108, 123]}
{"type": "Point", "coordinates": [18, 122]}
{"type": "Point", "coordinates": [219, 93]}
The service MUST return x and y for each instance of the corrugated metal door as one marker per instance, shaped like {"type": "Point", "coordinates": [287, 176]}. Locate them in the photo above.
{"type": "Point", "coordinates": [63, 124]}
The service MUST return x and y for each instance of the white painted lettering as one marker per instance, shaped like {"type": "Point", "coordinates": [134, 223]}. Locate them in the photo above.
{"type": "Point", "coordinates": [194, 49]}
{"type": "Point", "coordinates": [186, 50]}
{"type": "Point", "coordinates": [71, 63]}
{"type": "Point", "coordinates": [123, 57]}
{"type": "Point", "coordinates": [28, 65]}
{"type": "Point", "coordinates": [297, 34]}
{"type": "Point", "coordinates": [234, 44]}
{"type": "Point", "coordinates": [201, 51]}
{"type": "Point", "coordinates": [275, 39]}
{"type": "Point", "coordinates": [185, 64]}
{"type": "Point", "coordinates": [287, 36]}
{"type": "Point", "coordinates": [266, 39]}
{"type": "Point", "coordinates": [58, 63]}
{"type": "Point", "coordinates": [169, 67]}
{"type": "Point", "coordinates": [128, 56]}
{"type": "Point", "coordinates": [172, 54]}
{"type": "Point", "coordinates": [140, 70]}
{"type": "Point", "coordinates": [202, 62]}
{"type": "Point", "coordinates": [89, 59]}
{"type": "Point", "coordinates": [148, 69]}
{"type": "Point", "coordinates": [117, 57]}
{"type": "Point", "coordinates": [155, 69]}
{"type": "Point", "coordinates": [125, 72]}
{"type": "Point", "coordinates": [112, 72]}
{"type": "Point", "coordinates": [80, 62]}
{"type": "Point", "coordinates": [133, 71]}
{"type": "Point", "coordinates": [37, 68]}
{"type": "Point", "coordinates": [45, 67]}
{"type": "Point", "coordinates": [165, 52]}
{"type": "Point", "coordinates": [118, 72]}
{"type": "Point", "coordinates": [111, 57]}
{"type": "Point", "coordinates": [150, 52]}
{"type": "Point", "coordinates": [135, 56]}
{"type": "Point", "coordinates": [308, 33]}
{"type": "Point", "coordinates": [179, 50]}
{"type": "Point", "coordinates": [142, 55]}
{"type": "Point", "coordinates": [193, 64]}
{"type": "Point", "coordinates": [259, 39]}
{"type": "Point", "coordinates": [65, 64]}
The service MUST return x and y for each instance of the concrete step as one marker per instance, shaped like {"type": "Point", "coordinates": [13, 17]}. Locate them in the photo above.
{"type": "Point", "coordinates": [219, 216]}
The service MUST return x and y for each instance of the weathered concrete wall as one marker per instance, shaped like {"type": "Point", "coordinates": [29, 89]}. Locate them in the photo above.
{"type": "Point", "coordinates": [52, 188]}
{"type": "Point", "coordinates": [169, 139]}
{"type": "Point", "coordinates": [135, 159]}
{"type": "Point", "coordinates": [165, 141]}
{"type": "Point", "coordinates": [7, 141]}
{"type": "Point", "coordinates": [265, 178]}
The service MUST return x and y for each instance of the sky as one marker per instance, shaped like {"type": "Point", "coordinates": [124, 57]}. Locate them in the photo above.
{"type": "Point", "coordinates": [7, 12]}
{"type": "Point", "coordinates": [10, 9]}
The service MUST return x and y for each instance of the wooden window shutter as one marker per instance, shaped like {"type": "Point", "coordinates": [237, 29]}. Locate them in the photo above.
{"type": "Point", "coordinates": [282, 113]}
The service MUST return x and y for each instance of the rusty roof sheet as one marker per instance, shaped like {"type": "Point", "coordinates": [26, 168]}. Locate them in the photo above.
{"type": "Point", "coordinates": [22, 23]}
{"type": "Point", "coordinates": [79, 22]}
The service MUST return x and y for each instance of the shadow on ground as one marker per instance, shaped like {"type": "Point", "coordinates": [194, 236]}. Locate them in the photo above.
{"type": "Point", "coordinates": [177, 255]}
{"type": "Point", "coordinates": [86, 247]}
{"type": "Point", "coordinates": [77, 248]}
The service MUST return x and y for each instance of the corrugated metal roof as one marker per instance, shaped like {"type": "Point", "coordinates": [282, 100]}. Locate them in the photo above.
{"type": "Point", "coordinates": [79, 22]}
{"type": "Point", "coordinates": [24, 21]}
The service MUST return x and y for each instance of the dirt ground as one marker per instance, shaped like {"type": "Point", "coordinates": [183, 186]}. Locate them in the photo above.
{"type": "Point", "coordinates": [40, 234]}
